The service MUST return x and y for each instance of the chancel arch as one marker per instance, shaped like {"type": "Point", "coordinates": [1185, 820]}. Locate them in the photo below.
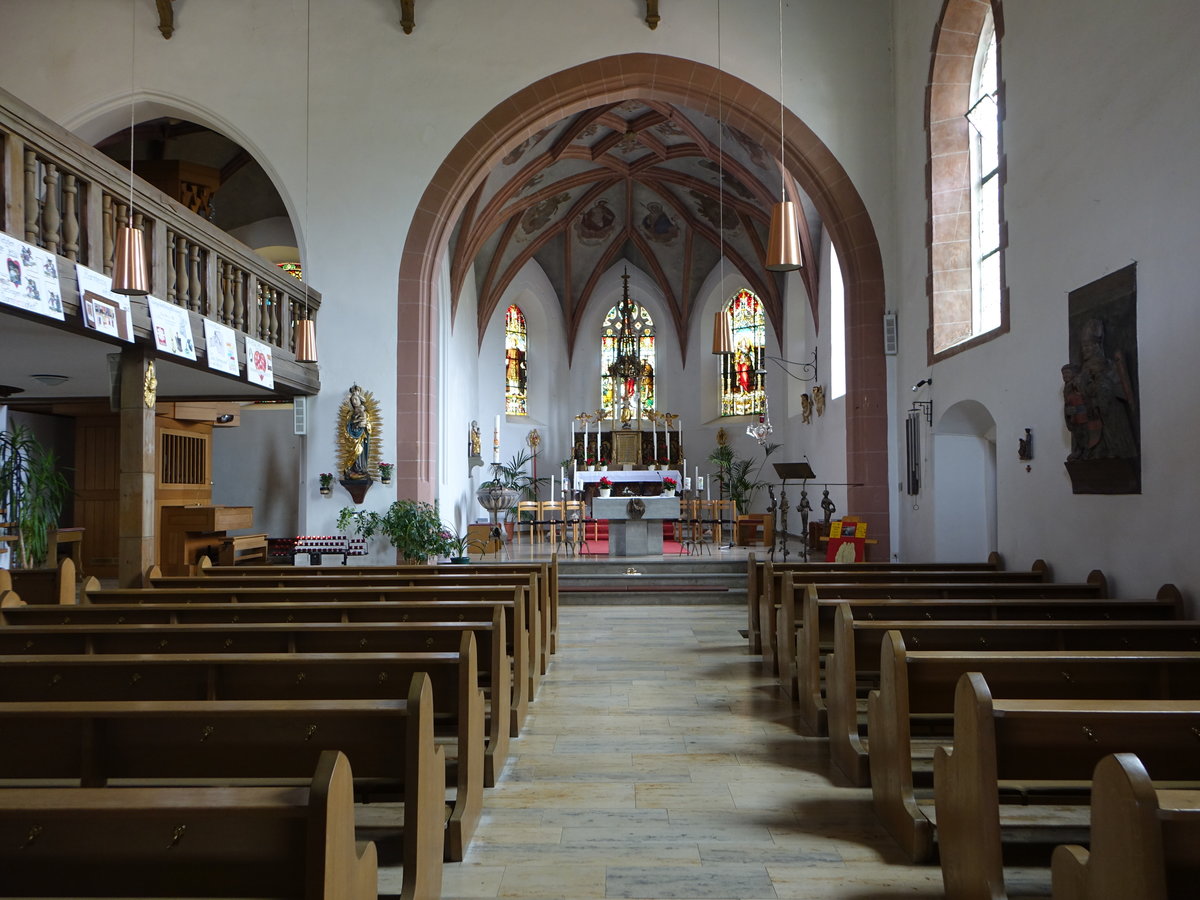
{"type": "Point", "coordinates": [648, 77]}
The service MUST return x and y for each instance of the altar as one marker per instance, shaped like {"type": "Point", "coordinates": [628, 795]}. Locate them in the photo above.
{"type": "Point", "coordinates": [623, 478]}
{"type": "Point", "coordinates": [630, 536]}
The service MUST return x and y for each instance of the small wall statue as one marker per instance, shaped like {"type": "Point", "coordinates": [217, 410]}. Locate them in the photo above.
{"type": "Point", "coordinates": [806, 409]}
{"type": "Point", "coordinates": [358, 431]}
{"type": "Point", "coordinates": [818, 399]}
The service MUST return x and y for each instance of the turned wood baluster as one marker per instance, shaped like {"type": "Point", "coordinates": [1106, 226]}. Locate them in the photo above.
{"type": "Point", "coordinates": [51, 220]}
{"type": "Point", "coordinates": [225, 304]}
{"type": "Point", "coordinates": [70, 226]}
{"type": "Point", "coordinates": [31, 198]}
{"type": "Point", "coordinates": [108, 239]}
{"type": "Point", "coordinates": [172, 269]}
{"type": "Point", "coordinates": [195, 279]}
{"type": "Point", "coordinates": [239, 300]}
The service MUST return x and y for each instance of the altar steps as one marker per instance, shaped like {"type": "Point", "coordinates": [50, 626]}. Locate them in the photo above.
{"type": "Point", "coordinates": [688, 581]}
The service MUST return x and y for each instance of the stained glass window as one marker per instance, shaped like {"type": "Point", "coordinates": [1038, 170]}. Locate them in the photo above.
{"type": "Point", "coordinates": [985, 171]}
{"type": "Point", "coordinates": [293, 268]}
{"type": "Point", "coordinates": [614, 390]}
{"type": "Point", "coordinates": [742, 387]}
{"type": "Point", "coordinates": [516, 398]}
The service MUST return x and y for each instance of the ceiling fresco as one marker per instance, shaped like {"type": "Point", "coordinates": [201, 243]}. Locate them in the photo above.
{"type": "Point", "coordinates": [640, 181]}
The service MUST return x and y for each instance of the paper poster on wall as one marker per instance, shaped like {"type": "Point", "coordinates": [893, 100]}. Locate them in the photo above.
{"type": "Point", "coordinates": [221, 342]}
{"type": "Point", "coordinates": [30, 278]}
{"type": "Point", "coordinates": [172, 328]}
{"type": "Point", "coordinates": [102, 310]}
{"type": "Point", "coordinates": [258, 364]}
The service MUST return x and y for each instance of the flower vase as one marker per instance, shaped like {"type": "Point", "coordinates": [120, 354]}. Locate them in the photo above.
{"type": "Point", "coordinates": [605, 492]}
{"type": "Point", "coordinates": [385, 479]}
{"type": "Point", "coordinates": [590, 468]}
{"type": "Point", "coordinates": [668, 492]}
{"type": "Point", "coordinates": [653, 467]}
{"type": "Point", "coordinates": [327, 492]}
{"type": "Point", "coordinates": [604, 468]}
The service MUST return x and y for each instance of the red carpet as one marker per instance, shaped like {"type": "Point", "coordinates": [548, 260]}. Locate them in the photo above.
{"type": "Point", "coordinates": [596, 532]}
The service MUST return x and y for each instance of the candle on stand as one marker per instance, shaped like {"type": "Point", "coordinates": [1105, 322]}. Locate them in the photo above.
{"type": "Point", "coordinates": [496, 440]}
{"type": "Point", "coordinates": [654, 439]}
{"type": "Point", "coordinates": [708, 490]}
{"type": "Point", "coordinates": [683, 469]}
{"type": "Point", "coordinates": [687, 483]}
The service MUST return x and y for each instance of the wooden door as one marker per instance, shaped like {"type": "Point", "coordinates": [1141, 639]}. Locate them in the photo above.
{"type": "Point", "coordinates": [97, 492]}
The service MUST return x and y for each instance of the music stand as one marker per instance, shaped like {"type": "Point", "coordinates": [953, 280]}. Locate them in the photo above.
{"type": "Point", "coordinates": [802, 471]}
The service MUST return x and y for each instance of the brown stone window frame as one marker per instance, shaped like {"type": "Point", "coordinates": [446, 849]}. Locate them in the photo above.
{"type": "Point", "coordinates": [949, 224]}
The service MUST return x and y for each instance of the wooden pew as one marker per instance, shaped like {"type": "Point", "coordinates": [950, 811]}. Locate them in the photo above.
{"type": "Point", "coordinates": [853, 666]}
{"type": "Point", "coordinates": [1038, 740]}
{"type": "Point", "coordinates": [281, 676]}
{"type": "Point", "coordinates": [426, 593]}
{"type": "Point", "coordinates": [307, 637]}
{"type": "Point", "coordinates": [920, 686]}
{"type": "Point", "coordinates": [780, 610]}
{"type": "Point", "coordinates": [243, 549]}
{"type": "Point", "coordinates": [249, 589]}
{"type": "Point", "coordinates": [224, 842]}
{"type": "Point", "coordinates": [906, 601]}
{"type": "Point", "coordinates": [1145, 842]}
{"type": "Point", "coordinates": [269, 742]}
{"type": "Point", "coordinates": [547, 573]}
{"type": "Point", "coordinates": [517, 644]}
{"type": "Point", "coordinates": [756, 583]}
{"type": "Point", "coordinates": [47, 586]}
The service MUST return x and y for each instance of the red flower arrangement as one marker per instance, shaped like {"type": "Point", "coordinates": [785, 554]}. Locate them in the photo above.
{"type": "Point", "coordinates": [669, 483]}
{"type": "Point", "coordinates": [605, 482]}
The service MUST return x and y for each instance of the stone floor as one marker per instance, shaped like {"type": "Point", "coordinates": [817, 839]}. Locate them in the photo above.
{"type": "Point", "coordinates": [658, 762]}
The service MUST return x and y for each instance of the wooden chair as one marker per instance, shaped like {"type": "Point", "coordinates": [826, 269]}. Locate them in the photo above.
{"type": "Point", "coordinates": [723, 512]}
{"type": "Point", "coordinates": [572, 536]}
{"type": "Point", "coordinates": [528, 511]}
{"type": "Point", "coordinates": [550, 512]}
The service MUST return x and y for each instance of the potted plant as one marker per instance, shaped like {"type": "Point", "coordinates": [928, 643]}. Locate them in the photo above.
{"type": "Point", "coordinates": [605, 486]}
{"type": "Point", "coordinates": [664, 463]}
{"type": "Point", "coordinates": [459, 544]}
{"type": "Point", "coordinates": [739, 476]}
{"type": "Point", "coordinates": [413, 527]}
{"type": "Point", "coordinates": [603, 464]}
{"type": "Point", "coordinates": [326, 483]}
{"type": "Point", "coordinates": [32, 493]}
{"type": "Point", "coordinates": [385, 473]}
{"type": "Point", "coordinates": [668, 486]}
{"type": "Point", "coordinates": [590, 464]}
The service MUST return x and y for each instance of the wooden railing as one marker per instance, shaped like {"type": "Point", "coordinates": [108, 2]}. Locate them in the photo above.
{"type": "Point", "coordinates": [66, 197]}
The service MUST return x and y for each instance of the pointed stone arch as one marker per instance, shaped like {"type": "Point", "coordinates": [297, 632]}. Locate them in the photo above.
{"type": "Point", "coordinates": [707, 90]}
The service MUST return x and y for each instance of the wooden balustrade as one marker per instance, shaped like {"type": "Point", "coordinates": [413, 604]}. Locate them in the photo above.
{"type": "Point", "coordinates": [68, 198]}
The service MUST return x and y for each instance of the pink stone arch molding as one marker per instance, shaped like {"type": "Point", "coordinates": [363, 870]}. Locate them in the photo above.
{"type": "Point", "coordinates": [705, 89]}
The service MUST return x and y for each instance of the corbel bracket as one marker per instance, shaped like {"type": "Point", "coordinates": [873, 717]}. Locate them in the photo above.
{"type": "Point", "coordinates": [166, 18]}
{"type": "Point", "coordinates": [408, 15]}
{"type": "Point", "coordinates": [652, 16]}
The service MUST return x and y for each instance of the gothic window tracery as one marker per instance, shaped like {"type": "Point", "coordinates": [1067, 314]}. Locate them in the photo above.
{"type": "Point", "coordinates": [742, 387]}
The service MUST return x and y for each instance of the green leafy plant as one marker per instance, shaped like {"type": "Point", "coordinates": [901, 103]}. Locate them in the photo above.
{"type": "Point", "coordinates": [739, 476]}
{"type": "Point", "coordinates": [414, 528]}
{"type": "Point", "coordinates": [32, 492]}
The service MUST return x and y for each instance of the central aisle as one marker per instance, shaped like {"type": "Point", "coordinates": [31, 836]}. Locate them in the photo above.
{"type": "Point", "coordinates": [657, 762]}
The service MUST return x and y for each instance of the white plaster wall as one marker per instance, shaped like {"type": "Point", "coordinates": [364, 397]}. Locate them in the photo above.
{"type": "Point", "coordinates": [1100, 160]}
{"type": "Point", "coordinates": [253, 465]}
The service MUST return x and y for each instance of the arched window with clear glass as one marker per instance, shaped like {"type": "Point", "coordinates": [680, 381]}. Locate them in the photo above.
{"type": "Point", "coordinates": [742, 387]}
{"type": "Point", "coordinates": [637, 388]}
{"type": "Point", "coordinates": [516, 397]}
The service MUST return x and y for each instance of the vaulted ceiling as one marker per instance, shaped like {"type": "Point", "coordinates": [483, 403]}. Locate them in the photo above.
{"type": "Point", "coordinates": [642, 181]}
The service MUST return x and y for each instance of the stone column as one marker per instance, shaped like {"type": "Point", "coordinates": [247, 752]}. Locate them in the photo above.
{"type": "Point", "coordinates": [137, 466]}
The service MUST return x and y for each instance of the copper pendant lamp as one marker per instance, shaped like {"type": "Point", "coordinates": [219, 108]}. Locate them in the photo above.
{"type": "Point", "coordinates": [305, 337]}
{"type": "Point", "coordinates": [783, 241]}
{"type": "Point", "coordinates": [131, 269]}
{"type": "Point", "coordinates": [722, 337]}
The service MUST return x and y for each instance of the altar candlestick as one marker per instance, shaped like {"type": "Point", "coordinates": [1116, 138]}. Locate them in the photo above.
{"type": "Point", "coordinates": [496, 440]}
{"type": "Point", "coordinates": [708, 490]}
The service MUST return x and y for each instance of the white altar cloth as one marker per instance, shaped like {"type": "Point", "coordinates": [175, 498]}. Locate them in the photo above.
{"type": "Point", "coordinates": [616, 476]}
